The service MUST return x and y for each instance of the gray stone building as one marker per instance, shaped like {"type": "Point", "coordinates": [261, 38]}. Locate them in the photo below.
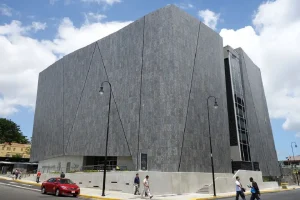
{"type": "Point", "coordinates": [162, 68]}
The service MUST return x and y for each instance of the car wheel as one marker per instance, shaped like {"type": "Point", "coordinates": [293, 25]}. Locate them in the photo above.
{"type": "Point", "coordinates": [43, 190]}
{"type": "Point", "coordinates": [57, 192]}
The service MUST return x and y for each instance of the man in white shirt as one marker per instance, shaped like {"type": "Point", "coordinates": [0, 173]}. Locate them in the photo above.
{"type": "Point", "coordinates": [239, 189]}
{"type": "Point", "coordinates": [146, 187]}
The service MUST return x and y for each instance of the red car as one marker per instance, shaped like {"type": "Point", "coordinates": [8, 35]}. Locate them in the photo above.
{"type": "Point", "coordinates": [60, 186]}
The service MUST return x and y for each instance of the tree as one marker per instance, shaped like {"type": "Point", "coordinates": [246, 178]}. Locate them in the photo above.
{"type": "Point", "coordinates": [17, 156]}
{"type": "Point", "coordinates": [10, 132]}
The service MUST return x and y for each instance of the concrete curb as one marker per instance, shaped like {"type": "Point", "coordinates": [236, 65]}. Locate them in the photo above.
{"type": "Point", "coordinates": [30, 183]}
{"type": "Point", "coordinates": [95, 197]}
{"type": "Point", "coordinates": [247, 193]}
{"type": "Point", "coordinates": [81, 195]}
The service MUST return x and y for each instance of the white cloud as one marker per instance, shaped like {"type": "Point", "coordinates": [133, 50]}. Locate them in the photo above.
{"type": "Point", "coordinates": [298, 135]}
{"type": "Point", "coordinates": [15, 28]}
{"type": "Point", "coordinates": [7, 107]}
{"type": "Point", "coordinates": [184, 6]}
{"type": "Point", "coordinates": [52, 2]}
{"type": "Point", "coordinates": [209, 17]}
{"type": "Point", "coordinates": [5, 10]}
{"type": "Point", "coordinates": [38, 26]}
{"type": "Point", "coordinates": [93, 17]}
{"type": "Point", "coordinates": [84, 35]}
{"type": "Point", "coordinates": [23, 57]}
{"type": "Point", "coordinates": [272, 42]}
{"type": "Point", "coordinates": [109, 2]}
{"type": "Point", "coordinates": [66, 2]}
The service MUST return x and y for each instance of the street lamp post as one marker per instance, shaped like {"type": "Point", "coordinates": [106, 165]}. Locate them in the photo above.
{"type": "Point", "coordinates": [211, 154]}
{"type": "Point", "coordinates": [107, 131]}
{"type": "Point", "coordinates": [294, 158]}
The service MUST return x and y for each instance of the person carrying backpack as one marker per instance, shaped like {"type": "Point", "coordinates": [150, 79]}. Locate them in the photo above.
{"type": "Point", "coordinates": [255, 193]}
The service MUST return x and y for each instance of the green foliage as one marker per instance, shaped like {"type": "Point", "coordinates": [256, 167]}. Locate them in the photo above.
{"type": "Point", "coordinates": [268, 178]}
{"type": "Point", "coordinates": [10, 132]}
{"type": "Point", "coordinates": [54, 172]}
{"type": "Point", "coordinates": [17, 156]}
{"type": "Point", "coordinates": [73, 171]}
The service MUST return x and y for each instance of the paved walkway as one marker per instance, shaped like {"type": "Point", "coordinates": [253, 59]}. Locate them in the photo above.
{"type": "Point", "coordinates": [113, 195]}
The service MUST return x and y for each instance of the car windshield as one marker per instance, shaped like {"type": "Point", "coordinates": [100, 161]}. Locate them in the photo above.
{"type": "Point", "coordinates": [66, 181]}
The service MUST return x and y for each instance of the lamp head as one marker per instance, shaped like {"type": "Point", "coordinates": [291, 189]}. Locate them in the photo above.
{"type": "Point", "coordinates": [101, 90]}
{"type": "Point", "coordinates": [296, 145]}
{"type": "Point", "coordinates": [216, 104]}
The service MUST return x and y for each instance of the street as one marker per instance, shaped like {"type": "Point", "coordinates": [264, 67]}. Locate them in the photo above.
{"type": "Point", "coordinates": [10, 190]}
{"type": "Point", "coordinates": [289, 195]}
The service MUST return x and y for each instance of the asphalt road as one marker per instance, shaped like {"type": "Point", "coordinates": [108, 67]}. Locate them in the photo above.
{"type": "Point", "coordinates": [289, 195]}
{"type": "Point", "coordinates": [10, 190]}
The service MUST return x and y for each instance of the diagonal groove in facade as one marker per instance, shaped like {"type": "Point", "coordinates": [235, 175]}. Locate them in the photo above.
{"type": "Point", "coordinates": [83, 87]}
{"type": "Point", "coordinates": [140, 103]}
{"type": "Point", "coordinates": [191, 85]}
{"type": "Point", "coordinates": [114, 100]}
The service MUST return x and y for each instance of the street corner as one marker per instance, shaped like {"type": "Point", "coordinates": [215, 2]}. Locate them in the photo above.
{"type": "Point", "coordinates": [96, 197]}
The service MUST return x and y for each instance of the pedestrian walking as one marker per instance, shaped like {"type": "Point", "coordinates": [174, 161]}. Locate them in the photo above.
{"type": "Point", "coordinates": [38, 175]}
{"type": "Point", "coordinates": [16, 174]}
{"type": "Point", "coordinates": [62, 175]}
{"type": "Point", "coordinates": [136, 185]}
{"type": "Point", "coordinates": [239, 189]}
{"type": "Point", "coordinates": [255, 193]}
{"type": "Point", "coordinates": [146, 187]}
{"type": "Point", "coordinates": [13, 175]}
{"type": "Point", "coordinates": [20, 174]}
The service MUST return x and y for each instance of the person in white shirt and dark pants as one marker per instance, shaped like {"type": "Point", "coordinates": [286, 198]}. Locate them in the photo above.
{"type": "Point", "coordinates": [146, 187]}
{"type": "Point", "coordinates": [239, 189]}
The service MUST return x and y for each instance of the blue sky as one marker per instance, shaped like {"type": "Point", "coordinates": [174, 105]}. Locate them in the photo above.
{"type": "Point", "coordinates": [240, 22]}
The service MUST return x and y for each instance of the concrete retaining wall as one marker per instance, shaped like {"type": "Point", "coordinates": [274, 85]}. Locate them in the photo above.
{"type": "Point", "coordinates": [165, 182]}
{"type": "Point", "coordinates": [227, 184]}
{"type": "Point", "coordinates": [160, 182]}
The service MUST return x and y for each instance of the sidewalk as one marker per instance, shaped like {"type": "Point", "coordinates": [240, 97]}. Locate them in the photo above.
{"type": "Point", "coordinates": [114, 195]}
